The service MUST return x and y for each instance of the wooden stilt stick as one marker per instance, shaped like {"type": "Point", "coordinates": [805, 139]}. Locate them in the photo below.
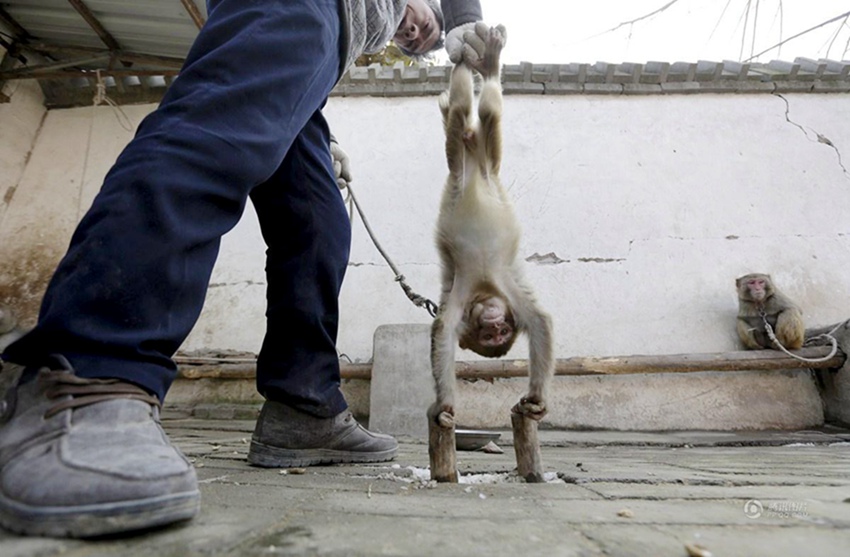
{"type": "Point", "coordinates": [442, 452]}
{"type": "Point", "coordinates": [529, 463]}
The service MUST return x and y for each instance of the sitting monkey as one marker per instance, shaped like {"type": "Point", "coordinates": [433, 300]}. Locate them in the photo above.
{"type": "Point", "coordinates": [760, 300]}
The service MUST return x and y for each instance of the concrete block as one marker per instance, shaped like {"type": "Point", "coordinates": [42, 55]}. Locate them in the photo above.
{"type": "Point", "coordinates": [603, 88]}
{"type": "Point", "coordinates": [402, 389]}
{"type": "Point", "coordinates": [402, 385]}
{"type": "Point", "coordinates": [836, 383]}
{"type": "Point", "coordinates": [642, 88]}
{"type": "Point", "coordinates": [226, 398]}
{"type": "Point", "coordinates": [726, 401]}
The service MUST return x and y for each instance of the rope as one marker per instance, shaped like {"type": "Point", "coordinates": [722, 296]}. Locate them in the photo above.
{"type": "Point", "coordinates": [827, 336]}
{"type": "Point", "coordinates": [418, 300]}
{"type": "Point", "coordinates": [100, 97]}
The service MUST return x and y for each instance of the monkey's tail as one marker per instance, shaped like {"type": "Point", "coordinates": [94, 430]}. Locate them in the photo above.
{"type": "Point", "coordinates": [417, 299]}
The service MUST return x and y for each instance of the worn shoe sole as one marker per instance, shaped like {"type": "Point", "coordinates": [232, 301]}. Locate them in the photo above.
{"type": "Point", "coordinates": [268, 456]}
{"type": "Point", "coordinates": [88, 521]}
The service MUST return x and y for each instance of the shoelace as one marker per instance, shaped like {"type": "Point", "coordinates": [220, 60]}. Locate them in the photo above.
{"type": "Point", "coordinates": [83, 392]}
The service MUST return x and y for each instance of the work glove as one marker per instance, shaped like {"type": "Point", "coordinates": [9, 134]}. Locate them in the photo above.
{"type": "Point", "coordinates": [342, 165]}
{"type": "Point", "coordinates": [454, 41]}
{"type": "Point", "coordinates": [475, 44]}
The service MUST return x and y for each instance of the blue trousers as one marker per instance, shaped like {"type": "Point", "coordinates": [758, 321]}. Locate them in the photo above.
{"type": "Point", "coordinates": [242, 120]}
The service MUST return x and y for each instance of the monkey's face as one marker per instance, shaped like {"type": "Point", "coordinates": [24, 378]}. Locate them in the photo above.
{"type": "Point", "coordinates": [490, 327]}
{"type": "Point", "coordinates": [754, 287]}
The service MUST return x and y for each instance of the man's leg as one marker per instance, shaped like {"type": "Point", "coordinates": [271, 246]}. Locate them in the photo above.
{"type": "Point", "coordinates": [305, 225]}
{"type": "Point", "coordinates": [308, 234]}
{"type": "Point", "coordinates": [81, 449]}
{"type": "Point", "coordinates": [133, 282]}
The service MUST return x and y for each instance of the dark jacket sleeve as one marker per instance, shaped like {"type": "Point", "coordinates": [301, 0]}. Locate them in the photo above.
{"type": "Point", "coordinates": [458, 12]}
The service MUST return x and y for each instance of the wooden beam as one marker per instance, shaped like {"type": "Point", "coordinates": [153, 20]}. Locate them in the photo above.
{"type": "Point", "coordinates": [248, 370]}
{"type": "Point", "coordinates": [759, 360]}
{"type": "Point", "coordinates": [30, 72]}
{"type": "Point", "coordinates": [69, 97]}
{"type": "Point", "coordinates": [68, 74]}
{"type": "Point", "coordinates": [86, 14]}
{"type": "Point", "coordinates": [7, 63]}
{"type": "Point", "coordinates": [123, 55]}
{"type": "Point", "coordinates": [194, 12]}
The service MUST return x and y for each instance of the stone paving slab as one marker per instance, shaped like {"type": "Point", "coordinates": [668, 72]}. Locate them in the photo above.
{"type": "Point", "coordinates": [610, 493]}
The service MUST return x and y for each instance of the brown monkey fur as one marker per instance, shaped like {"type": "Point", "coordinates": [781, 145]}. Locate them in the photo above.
{"type": "Point", "coordinates": [758, 294]}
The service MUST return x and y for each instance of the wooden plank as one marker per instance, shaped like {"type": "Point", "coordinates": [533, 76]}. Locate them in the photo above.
{"type": "Point", "coordinates": [187, 370]}
{"type": "Point", "coordinates": [761, 360]}
{"type": "Point", "coordinates": [758, 360]}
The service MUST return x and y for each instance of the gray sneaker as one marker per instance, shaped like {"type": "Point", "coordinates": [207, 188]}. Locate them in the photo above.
{"type": "Point", "coordinates": [88, 457]}
{"type": "Point", "coordinates": [285, 438]}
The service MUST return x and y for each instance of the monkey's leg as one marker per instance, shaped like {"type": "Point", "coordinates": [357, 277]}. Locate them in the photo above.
{"type": "Point", "coordinates": [490, 115]}
{"type": "Point", "coordinates": [490, 102]}
{"type": "Point", "coordinates": [457, 115]}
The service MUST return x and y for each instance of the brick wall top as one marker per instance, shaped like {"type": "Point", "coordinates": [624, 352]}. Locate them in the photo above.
{"type": "Point", "coordinates": [803, 75]}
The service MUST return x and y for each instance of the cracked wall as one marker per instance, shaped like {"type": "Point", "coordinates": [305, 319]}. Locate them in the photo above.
{"type": "Point", "coordinates": [638, 213]}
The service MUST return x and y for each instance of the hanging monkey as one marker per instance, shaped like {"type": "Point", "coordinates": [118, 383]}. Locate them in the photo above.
{"type": "Point", "coordinates": [485, 302]}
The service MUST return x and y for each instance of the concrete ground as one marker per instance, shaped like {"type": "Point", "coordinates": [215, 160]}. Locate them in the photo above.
{"type": "Point", "coordinates": [611, 493]}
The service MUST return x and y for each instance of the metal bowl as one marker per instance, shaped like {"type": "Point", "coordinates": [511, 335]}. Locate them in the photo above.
{"type": "Point", "coordinates": [474, 439]}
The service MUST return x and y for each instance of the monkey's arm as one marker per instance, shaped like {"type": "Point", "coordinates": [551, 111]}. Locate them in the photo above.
{"type": "Point", "coordinates": [790, 329]}
{"type": "Point", "coordinates": [747, 334]}
{"type": "Point", "coordinates": [443, 342]}
{"type": "Point", "coordinates": [541, 362]}
{"type": "Point", "coordinates": [457, 115]}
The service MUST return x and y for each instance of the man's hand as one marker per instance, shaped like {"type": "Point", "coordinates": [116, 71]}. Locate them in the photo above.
{"type": "Point", "coordinates": [454, 41]}
{"type": "Point", "coordinates": [342, 165]}
{"type": "Point", "coordinates": [474, 50]}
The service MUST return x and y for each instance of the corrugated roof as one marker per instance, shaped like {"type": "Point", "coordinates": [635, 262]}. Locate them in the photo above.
{"type": "Point", "coordinates": [139, 46]}
{"type": "Point", "coordinates": [159, 27]}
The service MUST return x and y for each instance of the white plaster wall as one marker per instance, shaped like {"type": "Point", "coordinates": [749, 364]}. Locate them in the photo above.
{"type": "Point", "coordinates": [20, 120]}
{"type": "Point", "coordinates": [650, 206]}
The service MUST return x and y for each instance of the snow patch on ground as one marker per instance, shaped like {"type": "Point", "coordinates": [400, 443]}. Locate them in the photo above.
{"type": "Point", "coordinates": [422, 477]}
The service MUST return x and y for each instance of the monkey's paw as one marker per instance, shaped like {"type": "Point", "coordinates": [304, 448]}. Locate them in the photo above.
{"type": "Point", "coordinates": [446, 420]}
{"type": "Point", "coordinates": [530, 407]}
{"type": "Point", "coordinates": [443, 415]}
